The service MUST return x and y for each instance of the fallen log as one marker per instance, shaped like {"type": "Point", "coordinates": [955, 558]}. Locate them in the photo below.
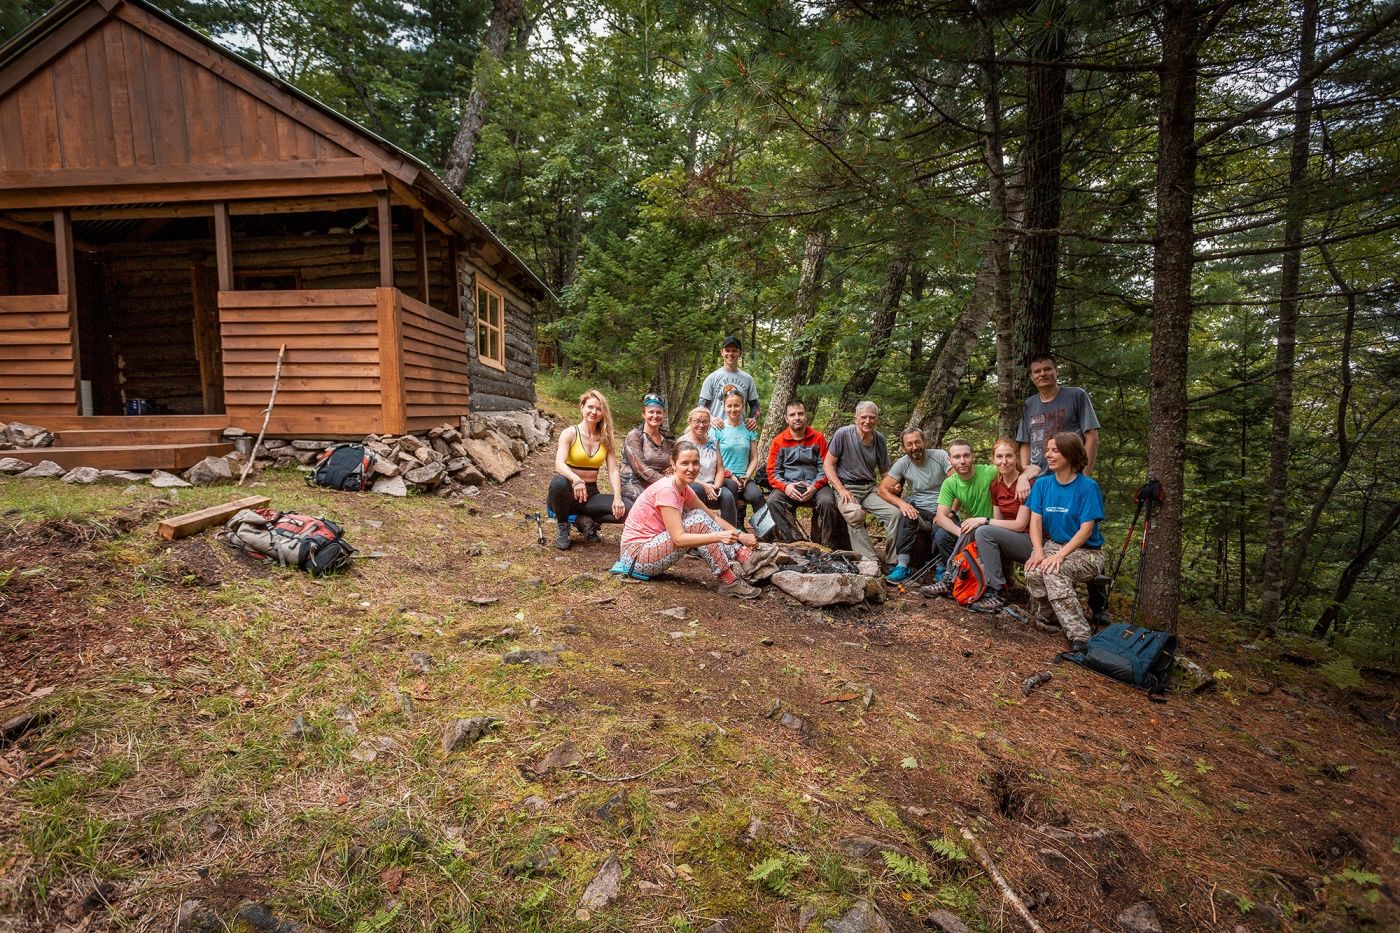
{"type": "Point", "coordinates": [182, 526]}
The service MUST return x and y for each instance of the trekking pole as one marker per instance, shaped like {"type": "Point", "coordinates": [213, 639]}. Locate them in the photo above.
{"type": "Point", "coordinates": [267, 414]}
{"type": "Point", "coordinates": [1152, 493]}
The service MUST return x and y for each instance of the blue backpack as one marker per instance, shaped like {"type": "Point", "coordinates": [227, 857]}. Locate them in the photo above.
{"type": "Point", "coordinates": [1137, 656]}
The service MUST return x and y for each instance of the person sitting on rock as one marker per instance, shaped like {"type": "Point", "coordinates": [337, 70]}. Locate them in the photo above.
{"type": "Point", "coordinates": [646, 451]}
{"type": "Point", "coordinates": [855, 462]}
{"type": "Point", "coordinates": [709, 485]}
{"type": "Point", "coordinates": [668, 521]}
{"type": "Point", "coordinates": [1005, 535]}
{"type": "Point", "coordinates": [585, 449]}
{"type": "Point", "coordinates": [1066, 545]}
{"type": "Point", "coordinates": [911, 486]}
{"type": "Point", "coordinates": [738, 448]}
{"type": "Point", "coordinates": [797, 473]}
{"type": "Point", "coordinates": [963, 499]}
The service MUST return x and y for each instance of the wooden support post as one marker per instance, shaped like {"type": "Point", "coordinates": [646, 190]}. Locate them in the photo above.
{"type": "Point", "coordinates": [223, 246]}
{"type": "Point", "coordinates": [67, 287]}
{"type": "Point", "coordinates": [420, 253]}
{"type": "Point", "coordinates": [393, 408]}
{"type": "Point", "coordinates": [386, 240]}
{"type": "Point", "coordinates": [454, 277]}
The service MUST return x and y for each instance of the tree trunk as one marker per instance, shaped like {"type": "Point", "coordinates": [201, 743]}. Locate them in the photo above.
{"type": "Point", "coordinates": [931, 412]}
{"type": "Point", "coordinates": [1280, 450]}
{"type": "Point", "coordinates": [809, 287]}
{"type": "Point", "coordinates": [1171, 297]}
{"type": "Point", "coordinates": [1010, 371]}
{"type": "Point", "coordinates": [505, 16]}
{"type": "Point", "coordinates": [881, 327]}
{"type": "Point", "coordinates": [918, 366]}
{"type": "Point", "coordinates": [1355, 569]}
{"type": "Point", "coordinates": [1040, 247]}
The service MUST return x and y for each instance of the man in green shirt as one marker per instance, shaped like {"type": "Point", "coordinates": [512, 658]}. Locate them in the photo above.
{"type": "Point", "coordinates": [965, 495]}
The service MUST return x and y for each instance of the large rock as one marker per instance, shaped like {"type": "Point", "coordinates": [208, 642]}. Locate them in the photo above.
{"type": "Point", "coordinates": [466, 472]}
{"type": "Point", "coordinates": [45, 469]}
{"type": "Point", "coordinates": [390, 486]}
{"type": "Point", "coordinates": [862, 918]}
{"type": "Point", "coordinates": [519, 449]}
{"type": "Point", "coordinates": [493, 455]}
{"type": "Point", "coordinates": [120, 477]}
{"type": "Point", "coordinates": [209, 472]}
{"type": "Point", "coordinates": [83, 476]}
{"type": "Point", "coordinates": [12, 465]}
{"type": "Point", "coordinates": [163, 480]}
{"type": "Point", "coordinates": [427, 476]}
{"type": "Point", "coordinates": [1140, 918]}
{"type": "Point", "coordinates": [462, 732]}
{"type": "Point", "coordinates": [821, 589]}
{"type": "Point", "coordinates": [317, 446]}
{"type": "Point", "coordinates": [384, 467]}
{"type": "Point", "coordinates": [19, 435]}
{"type": "Point", "coordinates": [603, 889]}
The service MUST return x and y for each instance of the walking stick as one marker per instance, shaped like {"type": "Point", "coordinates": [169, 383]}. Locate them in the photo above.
{"type": "Point", "coordinates": [267, 415]}
{"type": "Point", "coordinates": [1153, 493]}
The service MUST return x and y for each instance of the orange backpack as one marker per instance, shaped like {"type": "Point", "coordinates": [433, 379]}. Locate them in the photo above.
{"type": "Point", "coordinates": [969, 579]}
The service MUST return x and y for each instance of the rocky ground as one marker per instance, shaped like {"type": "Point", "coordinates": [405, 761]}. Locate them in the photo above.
{"type": "Point", "coordinates": [472, 731]}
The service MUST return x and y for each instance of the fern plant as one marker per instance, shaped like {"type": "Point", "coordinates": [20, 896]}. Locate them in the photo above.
{"type": "Point", "coordinates": [948, 849]}
{"type": "Point", "coordinates": [776, 872]}
{"type": "Point", "coordinates": [907, 870]}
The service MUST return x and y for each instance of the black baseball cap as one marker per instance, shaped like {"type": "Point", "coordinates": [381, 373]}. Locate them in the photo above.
{"type": "Point", "coordinates": [730, 341]}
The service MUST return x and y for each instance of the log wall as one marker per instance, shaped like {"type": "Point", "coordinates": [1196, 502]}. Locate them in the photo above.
{"type": "Point", "coordinates": [37, 375]}
{"type": "Point", "coordinates": [492, 389]}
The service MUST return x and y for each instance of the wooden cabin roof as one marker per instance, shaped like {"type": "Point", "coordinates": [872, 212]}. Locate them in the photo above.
{"type": "Point", "coordinates": [114, 101]}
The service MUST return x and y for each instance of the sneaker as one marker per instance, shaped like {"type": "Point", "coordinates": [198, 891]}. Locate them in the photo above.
{"type": "Point", "coordinates": [740, 589]}
{"type": "Point", "coordinates": [899, 574]}
{"type": "Point", "coordinates": [561, 540]}
{"type": "Point", "coordinates": [940, 590]}
{"type": "Point", "coordinates": [991, 601]}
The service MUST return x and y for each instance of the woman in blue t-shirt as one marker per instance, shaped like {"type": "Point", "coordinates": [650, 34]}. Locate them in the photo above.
{"type": "Point", "coordinates": [1066, 546]}
{"type": "Point", "coordinates": [738, 448]}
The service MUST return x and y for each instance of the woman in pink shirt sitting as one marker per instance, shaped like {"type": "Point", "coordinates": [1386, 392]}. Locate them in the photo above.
{"type": "Point", "coordinates": [668, 520]}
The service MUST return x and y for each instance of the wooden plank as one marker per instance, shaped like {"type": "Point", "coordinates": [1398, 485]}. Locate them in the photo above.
{"type": "Point", "coordinates": [326, 315]}
{"type": "Point", "coordinates": [300, 298]}
{"type": "Point", "coordinates": [51, 320]}
{"type": "Point", "coordinates": [103, 126]}
{"type": "Point", "coordinates": [37, 55]}
{"type": "Point", "coordinates": [296, 328]}
{"type": "Point", "coordinates": [14, 351]}
{"type": "Point", "coordinates": [223, 249]}
{"type": "Point", "coordinates": [201, 88]}
{"type": "Point", "coordinates": [139, 422]}
{"type": "Point", "coordinates": [175, 174]}
{"type": "Point", "coordinates": [386, 239]}
{"type": "Point", "coordinates": [135, 457]}
{"type": "Point", "coordinates": [33, 303]}
{"type": "Point", "coordinates": [118, 95]}
{"type": "Point", "coordinates": [18, 369]}
{"type": "Point", "coordinates": [455, 343]}
{"type": "Point", "coordinates": [265, 121]}
{"type": "Point", "coordinates": [454, 332]}
{"type": "Point", "coordinates": [67, 286]}
{"type": "Point", "coordinates": [244, 383]}
{"type": "Point", "coordinates": [182, 526]}
{"type": "Point", "coordinates": [315, 422]}
{"type": "Point", "coordinates": [44, 338]}
{"type": "Point", "coordinates": [308, 370]}
{"type": "Point", "coordinates": [330, 343]}
{"type": "Point", "coordinates": [207, 340]}
{"type": "Point", "coordinates": [21, 199]}
{"type": "Point", "coordinates": [327, 396]}
{"type": "Point", "coordinates": [234, 357]}
{"type": "Point", "coordinates": [168, 114]}
{"type": "Point", "coordinates": [390, 353]}
{"type": "Point", "coordinates": [11, 144]}
{"type": "Point", "coordinates": [143, 140]}
{"type": "Point", "coordinates": [436, 315]}
{"type": "Point", "coordinates": [72, 97]}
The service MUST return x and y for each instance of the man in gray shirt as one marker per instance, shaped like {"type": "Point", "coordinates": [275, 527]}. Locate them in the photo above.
{"type": "Point", "coordinates": [856, 454]}
{"type": "Point", "coordinates": [1054, 408]}
{"type": "Point", "coordinates": [923, 470]}
{"type": "Point", "coordinates": [730, 378]}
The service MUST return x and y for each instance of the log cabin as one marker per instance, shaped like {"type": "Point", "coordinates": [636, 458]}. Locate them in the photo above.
{"type": "Point", "coordinates": [172, 216]}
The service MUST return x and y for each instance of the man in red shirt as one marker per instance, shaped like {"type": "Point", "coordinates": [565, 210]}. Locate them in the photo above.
{"type": "Point", "coordinates": [797, 473]}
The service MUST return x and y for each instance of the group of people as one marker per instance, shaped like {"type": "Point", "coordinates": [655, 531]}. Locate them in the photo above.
{"type": "Point", "coordinates": [1034, 504]}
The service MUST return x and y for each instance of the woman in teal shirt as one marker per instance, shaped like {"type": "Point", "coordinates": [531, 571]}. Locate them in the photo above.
{"type": "Point", "coordinates": [738, 449]}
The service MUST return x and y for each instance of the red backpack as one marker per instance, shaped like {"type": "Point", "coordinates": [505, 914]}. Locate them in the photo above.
{"type": "Point", "coordinates": [969, 579]}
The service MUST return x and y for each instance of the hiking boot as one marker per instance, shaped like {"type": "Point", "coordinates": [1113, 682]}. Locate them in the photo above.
{"type": "Point", "coordinates": [561, 540]}
{"type": "Point", "coordinates": [1100, 620]}
{"type": "Point", "coordinates": [940, 590]}
{"type": "Point", "coordinates": [899, 574]}
{"type": "Point", "coordinates": [1078, 646]}
{"type": "Point", "coordinates": [991, 601]}
{"type": "Point", "coordinates": [740, 589]}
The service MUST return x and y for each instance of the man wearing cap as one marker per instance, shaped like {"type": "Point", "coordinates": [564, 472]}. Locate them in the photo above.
{"type": "Point", "coordinates": [730, 378]}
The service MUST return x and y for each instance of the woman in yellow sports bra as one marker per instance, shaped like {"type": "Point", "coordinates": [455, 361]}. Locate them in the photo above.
{"type": "Point", "coordinates": [584, 450]}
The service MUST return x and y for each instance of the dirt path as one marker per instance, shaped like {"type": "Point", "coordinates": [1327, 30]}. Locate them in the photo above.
{"type": "Point", "coordinates": [768, 789]}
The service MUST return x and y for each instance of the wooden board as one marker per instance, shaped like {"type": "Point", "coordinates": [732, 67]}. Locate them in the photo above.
{"type": "Point", "coordinates": [182, 526]}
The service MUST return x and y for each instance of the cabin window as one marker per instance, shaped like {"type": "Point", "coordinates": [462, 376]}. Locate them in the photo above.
{"type": "Point", "coordinates": [490, 326]}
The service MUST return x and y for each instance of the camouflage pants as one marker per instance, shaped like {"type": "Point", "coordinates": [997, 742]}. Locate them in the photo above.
{"type": "Point", "coordinates": [1058, 587]}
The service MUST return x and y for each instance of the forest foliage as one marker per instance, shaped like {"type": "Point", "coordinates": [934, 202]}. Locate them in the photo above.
{"type": "Point", "coordinates": [963, 183]}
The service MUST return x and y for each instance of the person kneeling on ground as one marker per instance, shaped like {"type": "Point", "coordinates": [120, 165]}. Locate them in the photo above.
{"type": "Point", "coordinates": [584, 449]}
{"type": "Point", "coordinates": [1066, 507]}
{"type": "Point", "coordinates": [1005, 536]}
{"type": "Point", "coordinates": [668, 521]}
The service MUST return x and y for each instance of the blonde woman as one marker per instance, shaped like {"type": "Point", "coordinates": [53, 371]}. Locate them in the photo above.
{"type": "Point", "coordinates": [585, 449]}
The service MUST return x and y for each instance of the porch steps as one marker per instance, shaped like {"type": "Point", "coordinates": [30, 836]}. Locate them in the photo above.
{"type": "Point", "coordinates": [102, 437]}
{"type": "Point", "coordinates": [169, 457]}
